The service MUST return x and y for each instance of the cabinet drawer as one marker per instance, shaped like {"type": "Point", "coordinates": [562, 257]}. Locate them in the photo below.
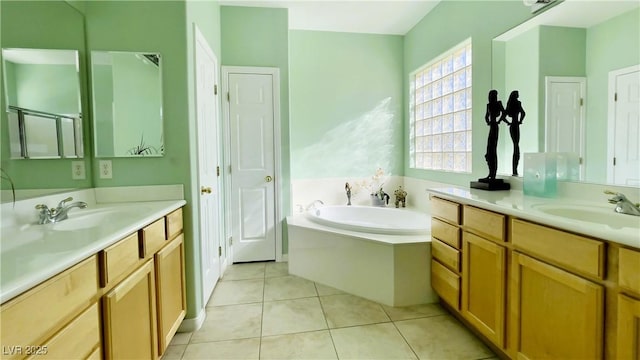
{"type": "Point", "coordinates": [119, 258]}
{"type": "Point", "coordinates": [152, 238]}
{"type": "Point", "coordinates": [629, 270]}
{"type": "Point", "coordinates": [446, 284]}
{"type": "Point", "coordinates": [445, 254]}
{"type": "Point", "coordinates": [486, 222]}
{"type": "Point", "coordinates": [43, 310]}
{"type": "Point", "coordinates": [174, 224]}
{"type": "Point", "coordinates": [568, 250]}
{"type": "Point", "coordinates": [446, 210]}
{"type": "Point", "coordinates": [445, 232]}
{"type": "Point", "coordinates": [77, 340]}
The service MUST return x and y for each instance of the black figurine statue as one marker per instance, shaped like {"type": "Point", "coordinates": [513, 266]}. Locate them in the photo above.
{"type": "Point", "coordinates": [516, 113]}
{"type": "Point", "coordinates": [493, 117]}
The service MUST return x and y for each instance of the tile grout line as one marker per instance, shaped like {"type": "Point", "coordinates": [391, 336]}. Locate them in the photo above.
{"type": "Point", "coordinates": [264, 288]}
{"type": "Point", "coordinates": [405, 340]}
{"type": "Point", "coordinates": [324, 315]}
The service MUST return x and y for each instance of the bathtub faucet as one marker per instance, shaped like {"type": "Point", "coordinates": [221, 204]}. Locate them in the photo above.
{"type": "Point", "coordinates": [347, 188]}
{"type": "Point", "coordinates": [313, 204]}
{"type": "Point", "coordinates": [384, 196]}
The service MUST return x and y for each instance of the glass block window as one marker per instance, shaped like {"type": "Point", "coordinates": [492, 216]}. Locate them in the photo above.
{"type": "Point", "coordinates": [440, 112]}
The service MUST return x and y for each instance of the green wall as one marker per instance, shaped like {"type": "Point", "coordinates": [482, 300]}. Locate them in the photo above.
{"type": "Point", "coordinates": [346, 104]}
{"type": "Point", "coordinates": [447, 25]}
{"type": "Point", "coordinates": [611, 45]}
{"type": "Point", "coordinates": [52, 25]}
{"type": "Point", "coordinates": [30, 94]}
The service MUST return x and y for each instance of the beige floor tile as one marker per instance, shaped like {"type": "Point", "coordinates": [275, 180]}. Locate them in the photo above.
{"type": "Point", "coordinates": [349, 310]}
{"type": "Point", "coordinates": [442, 337]}
{"type": "Point", "coordinates": [174, 352]}
{"type": "Point", "coordinates": [292, 316]}
{"type": "Point", "coordinates": [230, 322]}
{"type": "Point", "coordinates": [244, 271]}
{"type": "Point", "coordinates": [324, 290]}
{"type": "Point", "coordinates": [237, 292]}
{"type": "Point", "coordinates": [378, 341]}
{"type": "Point", "coordinates": [288, 287]}
{"type": "Point", "coordinates": [307, 345]}
{"type": "Point", "coordinates": [230, 349]}
{"type": "Point", "coordinates": [274, 269]}
{"type": "Point", "coordinates": [413, 312]}
{"type": "Point", "coordinates": [181, 338]}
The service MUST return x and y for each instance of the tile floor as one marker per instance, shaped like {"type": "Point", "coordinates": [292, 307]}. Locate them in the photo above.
{"type": "Point", "coordinates": [259, 311]}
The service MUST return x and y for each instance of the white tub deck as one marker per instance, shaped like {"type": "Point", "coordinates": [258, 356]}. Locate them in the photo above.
{"type": "Point", "coordinates": [389, 269]}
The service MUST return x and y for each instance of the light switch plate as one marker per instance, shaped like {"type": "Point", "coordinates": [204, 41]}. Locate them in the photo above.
{"type": "Point", "coordinates": [105, 169]}
{"type": "Point", "coordinates": [78, 170]}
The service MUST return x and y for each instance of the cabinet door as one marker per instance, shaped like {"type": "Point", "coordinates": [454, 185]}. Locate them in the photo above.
{"type": "Point", "coordinates": [130, 330]}
{"type": "Point", "coordinates": [554, 314]}
{"type": "Point", "coordinates": [483, 286]}
{"type": "Point", "coordinates": [628, 346]}
{"type": "Point", "coordinates": [170, 290]}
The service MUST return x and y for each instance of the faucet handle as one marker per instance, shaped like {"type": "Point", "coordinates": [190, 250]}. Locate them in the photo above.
{"type": "Point", "coordinates": [42, 207]}
{"type": "Point", "coordinates": [609, 192]}
{"type": "Point", "coordinates": [63, 201]}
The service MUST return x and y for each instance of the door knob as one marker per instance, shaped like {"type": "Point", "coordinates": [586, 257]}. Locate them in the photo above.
{"type": "Point", "coordinates": [205, 190]}
{"type": "Point", "coordinates": [268, 178]}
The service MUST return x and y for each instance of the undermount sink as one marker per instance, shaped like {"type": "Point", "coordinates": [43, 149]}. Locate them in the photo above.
{"type": "Point", "coordinates": [85, 219]}
{"type": "Point", "coordinates": [592, 214]}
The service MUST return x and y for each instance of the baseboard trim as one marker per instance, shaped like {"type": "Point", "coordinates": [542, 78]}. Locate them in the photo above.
{"type": "Point", "coordinates": [193, 324]}
{"type": "Point", "coordinates": [284, 258]}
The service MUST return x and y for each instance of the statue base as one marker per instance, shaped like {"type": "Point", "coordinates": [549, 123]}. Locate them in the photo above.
{"type": "Point", "coordinates": [490, 184]}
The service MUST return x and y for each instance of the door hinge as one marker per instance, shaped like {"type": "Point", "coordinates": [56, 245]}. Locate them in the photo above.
{"type": "Point", "coordinates": [580, 160]}
{"type": "Point", "coordinates": [230, 240]}
{"type": "Point", "coordinates": [615, 97]}
{"type": "Point", "coordinates": [581, 102]}
{"type": "Point", "coordinates": [219, 250]}
{"type": "Point", "coordinates": [614, 161]}
{"type": "Point", "coordinates": [228, 97]}
{"type": "Point", "coordinates": [215, 89]}
{"type": "Point", "coordinates": [218, 170]}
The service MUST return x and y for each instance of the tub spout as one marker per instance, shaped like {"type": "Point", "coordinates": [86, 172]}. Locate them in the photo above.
{"type": "Point", "coordinates": [347, 188]}
{"type": "Point", "coordinates": [314, 204]}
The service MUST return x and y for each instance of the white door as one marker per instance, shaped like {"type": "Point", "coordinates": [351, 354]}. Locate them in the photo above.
{"type": "Point", "coordinates": [207, 129]}
{"type": "Point", "coordinates": [626, 127]}
{"type": "Point", "coordinates": [565, 104]}
{"type": "Point", "coordinates": [253, 170]}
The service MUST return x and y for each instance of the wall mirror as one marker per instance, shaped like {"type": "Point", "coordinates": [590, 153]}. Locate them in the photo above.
{"type": "Point", "coordinates": [561, 62]}
{"type": "Point", "coordinates": [127, 103]}
{"type": "Point", "coordinates": [42, 89]}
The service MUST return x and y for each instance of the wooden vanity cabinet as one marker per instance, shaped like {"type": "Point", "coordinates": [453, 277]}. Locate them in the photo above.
{"type": "Point", "coordinates": [554, 314]}
{"type": "Point", "coordinates": [56, 312]}
{"type": "Point", "coordinates": [147, 303]}
{"type": "Point", "coordinates": [628, 302]}
{"type": "Point", "coordinates": [129, 310]}
{"type": "Point", "coordinates": [170, 290]}
{"type": "Point", "coordinates": [445, 251]}
{"type": "Point", "coordinates": [484, 272]}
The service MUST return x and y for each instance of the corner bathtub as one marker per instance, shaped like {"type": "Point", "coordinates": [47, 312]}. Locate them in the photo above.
{"type": "Point", "coordinates": [381, 254]}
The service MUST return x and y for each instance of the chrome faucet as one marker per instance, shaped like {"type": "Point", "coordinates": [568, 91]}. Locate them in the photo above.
{"type": "Point", "coordinates": [313, 204]}
{"type": "Point", "coordinates": [59, 213]}
{"type": "Point", "coordinates": [623, 205]}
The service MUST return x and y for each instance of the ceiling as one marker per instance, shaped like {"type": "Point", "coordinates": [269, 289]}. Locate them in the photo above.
{"type": "Point", "coordinates": [575, 13]}
{"type": "Point", "coordinates": [394, 17]}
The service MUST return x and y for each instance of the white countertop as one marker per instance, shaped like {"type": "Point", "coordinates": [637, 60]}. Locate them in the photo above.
{"type": "Point", "coordinates": [515, 203]}
{"type": "Point", "coordinates": [31, 253]}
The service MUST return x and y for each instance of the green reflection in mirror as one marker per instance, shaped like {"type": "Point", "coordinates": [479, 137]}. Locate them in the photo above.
{"type": "Point", "coordinates": [127, 103]}
{"type": "Point", "coordinates": [43, 103]}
